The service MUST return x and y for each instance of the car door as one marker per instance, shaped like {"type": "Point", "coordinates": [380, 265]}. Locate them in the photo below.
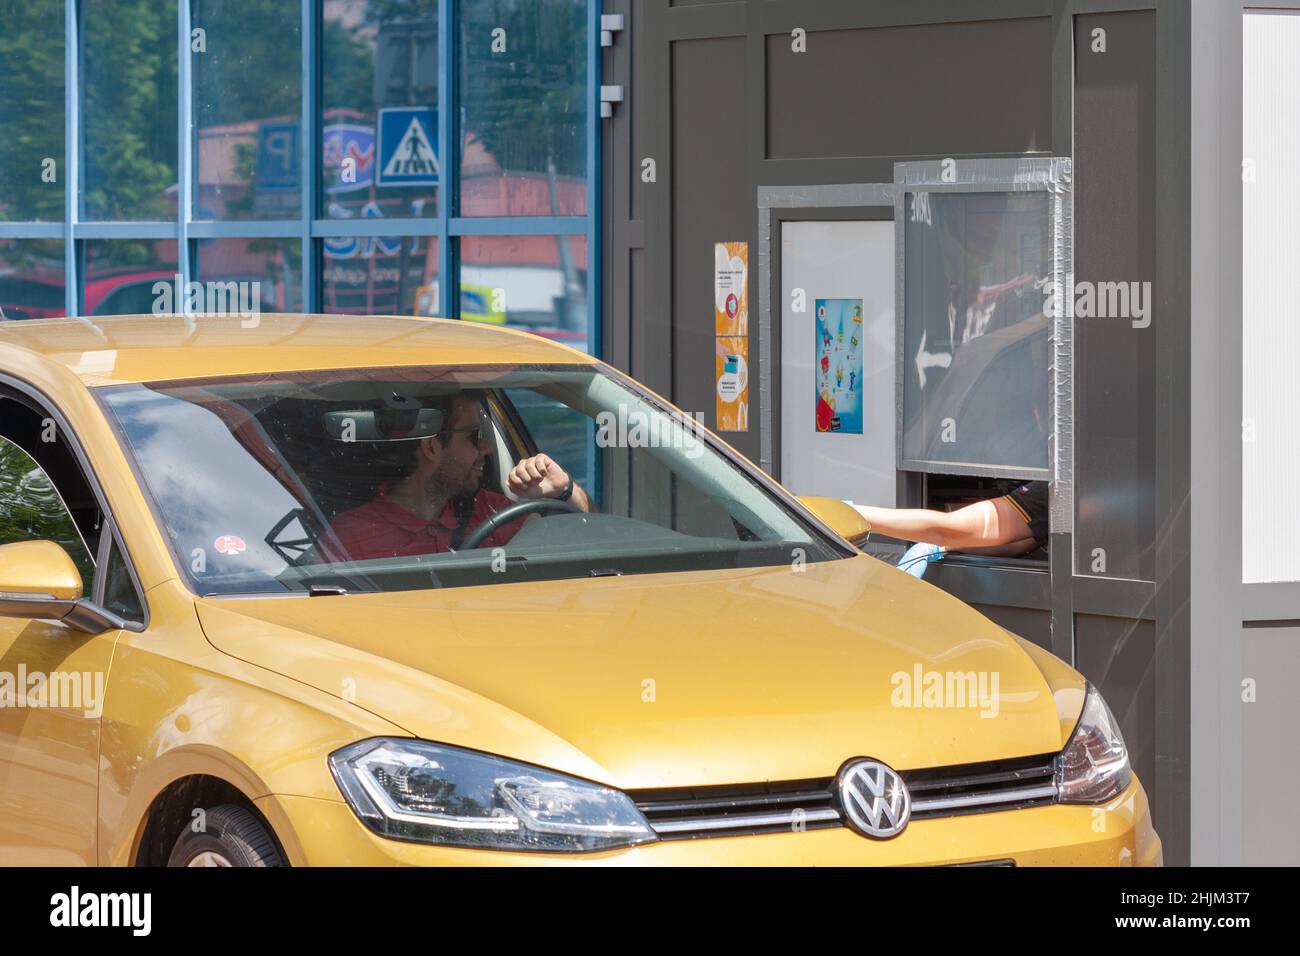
{"type": "Point", "coordinates": [53, 678]}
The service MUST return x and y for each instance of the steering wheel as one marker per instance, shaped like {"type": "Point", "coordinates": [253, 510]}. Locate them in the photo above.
{"type": "Point", "coordinates": [506, 515]}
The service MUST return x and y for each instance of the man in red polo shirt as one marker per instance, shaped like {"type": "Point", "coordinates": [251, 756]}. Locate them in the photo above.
{"type": "Point", "coordinates": [417, 514]}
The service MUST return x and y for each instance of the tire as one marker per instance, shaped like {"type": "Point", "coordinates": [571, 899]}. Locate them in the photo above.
{"type": "Point", "coordinates": [232, 837]}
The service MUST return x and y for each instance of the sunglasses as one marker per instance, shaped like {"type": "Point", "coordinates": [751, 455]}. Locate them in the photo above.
{"type": "Point", "coordinates": [475, 433]}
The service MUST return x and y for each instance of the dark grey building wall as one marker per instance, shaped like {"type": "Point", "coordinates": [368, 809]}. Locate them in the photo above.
{"type": "Point", "coordinates": [718, 100]}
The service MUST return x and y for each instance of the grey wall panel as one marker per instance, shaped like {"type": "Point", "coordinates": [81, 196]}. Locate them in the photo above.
{"type": "Point", "coordinates": [638, 77]}
{"type": "Point", "coordinates": [1270, 656]}
{"type": "Point", "coordinates": [911, 91]}
{"type": "Point", "coordinates": [713, 201]}
{"type": "Point", "coordinates": [1115, 362]}
{"type": "Point", "coordinates": [1118, 656]}
{"type": "Point", "coordinates": [1175, 593]}
{"type": "Point", "coordinates": [724, 106]}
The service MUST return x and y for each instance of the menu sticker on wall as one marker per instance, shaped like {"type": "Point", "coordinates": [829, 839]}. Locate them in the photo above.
{"type": "Point", "coordinates": [838, 377]}
{"type": "Point", "coordinates": [731, 331]}
{"type": "Point", "coordinates": [731, 288]}
{"type": "Point", "coordinates": [731, 364]}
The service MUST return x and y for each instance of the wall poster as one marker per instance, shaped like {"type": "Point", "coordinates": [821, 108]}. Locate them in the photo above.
{"type": "Point", "coordinates": [731, 331]}
{"type": "Point", "coordinates": [731, 364]}
{"type": "Point", "coordinates": [838, 372]}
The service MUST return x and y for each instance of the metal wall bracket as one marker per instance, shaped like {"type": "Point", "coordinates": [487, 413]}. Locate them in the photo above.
{"type": "Point", "coordinates": [610, 23]}
{"type": "Point", "coordinates": [609, 95]}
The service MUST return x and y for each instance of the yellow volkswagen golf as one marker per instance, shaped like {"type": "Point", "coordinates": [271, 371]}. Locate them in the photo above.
{"type": "Point", "coordinates": [341, 591]}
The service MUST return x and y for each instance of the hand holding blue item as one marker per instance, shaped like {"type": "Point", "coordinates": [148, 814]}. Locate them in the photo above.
{"type": "Point", "coordinates": [918, 557]}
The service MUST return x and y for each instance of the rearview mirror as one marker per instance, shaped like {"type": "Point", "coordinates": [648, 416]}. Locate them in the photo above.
{"type": "Point", "coordinates": [840, 517]}
{"type": "Point", "coordinates": [38, 580]}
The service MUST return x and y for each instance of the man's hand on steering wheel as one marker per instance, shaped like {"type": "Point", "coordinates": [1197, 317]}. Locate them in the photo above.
{"type": "Point", "coordinates": [541, 477]}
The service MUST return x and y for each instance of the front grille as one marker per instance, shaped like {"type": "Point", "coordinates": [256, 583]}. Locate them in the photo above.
{"type": "Point", "coordinates": [983, 787]}
{"type": "Point", "coordinates": [688, 813]}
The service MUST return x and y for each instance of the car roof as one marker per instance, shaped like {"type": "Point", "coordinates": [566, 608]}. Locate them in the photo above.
{"type": "Point", "coordinates": [113, 350]}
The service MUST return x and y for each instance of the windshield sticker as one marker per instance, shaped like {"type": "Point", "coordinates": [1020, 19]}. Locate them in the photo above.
{"type": "Point", "coordinates": [230, 544]}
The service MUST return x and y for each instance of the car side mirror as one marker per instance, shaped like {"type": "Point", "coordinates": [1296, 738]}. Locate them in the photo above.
{"type": "Point", "coordinates": [841, 518]}
{"type": "Point", "coordinates": [38, 580]}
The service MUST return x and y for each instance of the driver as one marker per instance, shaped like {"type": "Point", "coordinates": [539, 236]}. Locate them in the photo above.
{"type": "Point", "coordinates": [439, 500]}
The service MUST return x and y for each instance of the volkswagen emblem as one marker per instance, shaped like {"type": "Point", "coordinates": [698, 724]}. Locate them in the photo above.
{"type": "Point", "coordinates": [875, 799]}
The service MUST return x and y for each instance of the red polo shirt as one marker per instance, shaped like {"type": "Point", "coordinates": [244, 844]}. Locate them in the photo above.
{"type": "Point", "coordinates": [384, 529]}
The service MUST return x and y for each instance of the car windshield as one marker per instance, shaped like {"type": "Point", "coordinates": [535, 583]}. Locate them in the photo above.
{"type": "Point", "coordinates": [429, 477]}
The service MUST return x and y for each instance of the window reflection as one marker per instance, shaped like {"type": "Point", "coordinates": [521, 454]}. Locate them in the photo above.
{"type": "Point", "coordinates": [247, 110]}
{"type": "Point", "coordinates": [31, 509]}
{"type": "Point", "coordinates": [379, 123]}
{"type": "Point", "coordinates": [129, 110]}
{"type": "Point", "coordinates": [380, 275]}
{"type": "Point", "coordinates": [31, 110]}
{"type": "Point", "coordinates": [975, 354]}
{"type": "Point", "coordinates": [120, 274]}
{"type": "Point", "coordinates": [537, 283]}
{"type": "Point", "coordinates": [31, 278]}
{"type": "Point", "coordinates": [524, 142]}
{"type": "Point", "coordinates": [274, 264]}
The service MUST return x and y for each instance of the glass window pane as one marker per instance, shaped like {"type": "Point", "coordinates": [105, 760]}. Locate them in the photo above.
{"type": "Point", "coordinates": [524, 107]}
{"type": "Point", "coordinates": [120, 595]}
{"type": "Point", "coordinates": [380, 115]}
{"type": "Point", "coordinates": [247, 108]}
{"type": "Point", "coordinates": [120, 274]}
{"type": "Point", "coordinates": [976, 360]}
{"type": "Point", "coordinates": [387, 275]}
{"type": "Point", "coordinates": [32, 510]}
{"type": "Point", "coordinates": [31, 110]}
{"type": "Point", "coordinates": [535, 283]}
{"type": "Point", "coordinates": [31, 278]}
{"type": "Point", "coordinates": [129, 110]}
{"type": "Point", "coordinates": [562, 432]}
{"type": "Point", "coordinates": [270, 270]}
{"type": "Point", "coordinates": [335, 458]}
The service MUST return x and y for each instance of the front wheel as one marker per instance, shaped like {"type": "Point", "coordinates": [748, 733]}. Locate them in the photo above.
{"type": "Point", "coordinates": [231, 836]}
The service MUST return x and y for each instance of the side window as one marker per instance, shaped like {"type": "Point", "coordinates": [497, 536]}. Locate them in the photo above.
{"type": "Point", "coordinates": [31, 509]}
{"type": "Point", "coordinates": [120, 595]}
{"type": "Point", "coordinates": [563, 433]}
{"type": "Point", "coordinates": [977, 361]}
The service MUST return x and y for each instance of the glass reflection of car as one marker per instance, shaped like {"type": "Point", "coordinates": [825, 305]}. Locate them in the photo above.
{"type": "Point", "coordinates": [30, 296]}
{"type": "Point", "coordinates": [695, 669]}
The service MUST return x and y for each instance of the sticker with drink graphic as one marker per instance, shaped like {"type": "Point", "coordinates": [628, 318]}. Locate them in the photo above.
{"type": "Point", "coordinates": [732, 372]}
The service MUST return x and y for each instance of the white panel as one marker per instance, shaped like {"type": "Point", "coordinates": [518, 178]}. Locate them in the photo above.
{"type": "Point", "coordinates": [1270, 306]}
{"type": "Point", "coordinates": [838, 260]}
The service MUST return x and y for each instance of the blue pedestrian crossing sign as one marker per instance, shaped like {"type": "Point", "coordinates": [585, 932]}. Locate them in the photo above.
{"type": "Point", "coordinates": [406, 153]}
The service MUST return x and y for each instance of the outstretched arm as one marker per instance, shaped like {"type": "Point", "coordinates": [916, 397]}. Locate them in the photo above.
{"type": "Point", "coordinates": [990, 527]}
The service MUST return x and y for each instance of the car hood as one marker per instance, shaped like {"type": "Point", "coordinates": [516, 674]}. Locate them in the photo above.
{"type": "Point", "coordinates": [676, 679]}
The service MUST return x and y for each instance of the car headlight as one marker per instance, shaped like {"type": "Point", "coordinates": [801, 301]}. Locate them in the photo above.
{"type": "Point", "coordinates": [1094, 765]}
{"type": "Point", "coordinates": [429, 793]}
